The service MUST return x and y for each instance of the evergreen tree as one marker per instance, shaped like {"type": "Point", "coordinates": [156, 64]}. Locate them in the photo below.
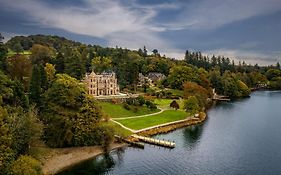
{"type": "Point", "coordinates": [59, 63]}
{"type": "Point", "coordinates": [144, 51]}
{"type": "Point", "coordinates": [17, 48]}
{"type": "Point", "coordinates": [278, 65]}
{"type": "Point", "coordinates": [35, 90]}
{"type": "Point", "coordinates": [3, 54]}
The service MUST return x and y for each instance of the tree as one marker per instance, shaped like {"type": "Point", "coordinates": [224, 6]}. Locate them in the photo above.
{"type": "Point", "coordinates": [144, 51]}
{"type": "Point", "coordinates": [7, 155]}
{"type": "Point", "coordinates": [100, 64]}
{"type": "Point", "coordinates": [19, 67]}
{"type": "Point", "coordinates": [41, 54]}
{"type": "Point", "coordinates": [19, 96]}
{"type": "Point", "coordinates": [17, 48]}
{"type": "Point", "coordinates": [3, 54]}
{"type": "Point", "coordinates": [230, 85]}
{"type": "Point", "coordinates": [72, 116]}
{"type": "Point", "coordinates": [271, 73]}
{"type": "Point", "coordinates": [193, 89]}
{"type": "Point", "coordinates": [278, 65]}
{"type": "Point", "coordinates": [6, 90]}
{"type": "Point", "coordinates": [180, 74]}
{"type": "Point", "coordinates": [50, 71]}
{"type": "Point", "coordinates": [26, 129]}
{"type": "Point", "coordinates": [26, 165]}
{"type": "Point", "coordinates": [174, 105]}
{"type": "Point", "coordinates": [59, 62]}
{"type": "Point", "coordinates": [35, 90]}
{"type": "Point", "coordinates": [155, 52]}
{"type": "Point", "coordinates": [73, 64]}
{"type": "Point", "coordinates": [243, 89]}
{"type": "Point", "coordinates": [192, 105]}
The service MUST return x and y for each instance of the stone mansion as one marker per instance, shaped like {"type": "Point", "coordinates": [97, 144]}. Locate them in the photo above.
{"type": "Point", "coordinates": [102, 84]}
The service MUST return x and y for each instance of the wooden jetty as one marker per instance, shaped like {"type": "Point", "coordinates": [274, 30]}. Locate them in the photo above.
{"type": "Point", "coordinates": [132, 143]}
{"type": "Point", "coordinates": [153, 141]}
{"type": "Point", "coordinates": [218, 97]}
{"type": "Point", "coordinates": [221, 98]}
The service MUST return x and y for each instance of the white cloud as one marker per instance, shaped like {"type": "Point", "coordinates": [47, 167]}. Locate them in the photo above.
{"type": "Point", "coordinates": [111, 20]}
{"type": "Point", "coordinates": [250, 57]}
{"type": "Point", "coordinates": [208, 14]}
{"type": "Point", "coordinates": [133, 25]}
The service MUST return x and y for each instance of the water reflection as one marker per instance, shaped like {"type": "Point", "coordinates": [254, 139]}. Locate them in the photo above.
{"type": "Point", "coordinates": [192, 135]}
{"type": "Point", "coordinates": [98, 166]}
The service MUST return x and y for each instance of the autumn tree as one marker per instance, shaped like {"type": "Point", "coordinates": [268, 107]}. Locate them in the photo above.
{"type": "Point", "coordinates": [50, 71]}
{"type": "Point", "coordinates": [19, 67]}
{"type": "Point", "coordinates": [193, 89]}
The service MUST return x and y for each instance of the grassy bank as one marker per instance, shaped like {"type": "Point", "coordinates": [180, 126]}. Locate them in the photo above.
{"type": "Point", "coordinates": [118, 129]}
{"type": "Point", "coordinates": [164, 117]}
{"type": "Point", "coordinates": [165, 103]}
{"type": "Point", "coordinates": [118, 111]}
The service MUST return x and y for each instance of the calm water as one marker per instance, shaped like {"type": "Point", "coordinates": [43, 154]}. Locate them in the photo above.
{"type": "Point", "coordinates": [241, 137]}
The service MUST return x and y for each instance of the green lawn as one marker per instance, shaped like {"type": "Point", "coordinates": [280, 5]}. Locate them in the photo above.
{"type": "Point", "coordinates": [25, 52]}
{"type": "Point", "coordinates": [165, 103]}
{"type": "Point", "coordinates": [177, 92]}
{"type": "Point", "coordinates": [164, 117]}
{"type": "Point", "coordinates": [117, 110]}
{"type": "Point", "coordinates": [118, 130]}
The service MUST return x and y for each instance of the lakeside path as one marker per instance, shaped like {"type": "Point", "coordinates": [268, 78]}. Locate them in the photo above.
{"type": "Point", "coordinates": [140, 116]}
{"type": "Point", "coordinates": [69, 157]}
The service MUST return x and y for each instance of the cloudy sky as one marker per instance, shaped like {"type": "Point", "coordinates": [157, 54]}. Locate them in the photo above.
{"type": "Point", "coordinates": [241, 29]}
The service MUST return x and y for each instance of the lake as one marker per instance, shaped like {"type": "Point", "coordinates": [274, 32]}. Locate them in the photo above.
{"type": "Point", "coordinates": [239, 137]}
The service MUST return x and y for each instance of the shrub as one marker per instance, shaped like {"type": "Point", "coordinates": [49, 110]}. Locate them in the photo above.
{"type": "Point", "coordinates": [192, 105]}
{"type": "Point", "coordinates": [174, 105]}
{"type": "Point", "coordinates": [135, 109]}
{"type": "Point", "coordinates": [150, 105]}
{"type": "Point", "coordinates": [141, 100]}
{"type": "Point", "coordinates": [26, 165]}
{"type": "Point", "coordinates": [126, 106]}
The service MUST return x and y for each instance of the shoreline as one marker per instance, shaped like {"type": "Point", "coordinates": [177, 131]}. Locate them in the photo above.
{"type": "Point", "coordinates": [174, 126]}
{"type": "Point", "coordinates": [70, 157]}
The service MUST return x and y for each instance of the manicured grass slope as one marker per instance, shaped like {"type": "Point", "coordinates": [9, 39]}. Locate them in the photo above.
{"type": "Point", "coordinates": [117, 110]}
{"type": "Point", "coordinates": [118, 130]}
{"type": "Point", "coordinates": [165, 103]}
{"type": "Point", "coordinates": [164, 117]}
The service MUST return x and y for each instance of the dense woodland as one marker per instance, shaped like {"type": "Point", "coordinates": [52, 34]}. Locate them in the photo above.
{"type": "Point", "coordinates": [42, 97]}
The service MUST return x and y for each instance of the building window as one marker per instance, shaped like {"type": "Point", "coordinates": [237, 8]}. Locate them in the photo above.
{"type": "Point", "coordinates": [91, 92]}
